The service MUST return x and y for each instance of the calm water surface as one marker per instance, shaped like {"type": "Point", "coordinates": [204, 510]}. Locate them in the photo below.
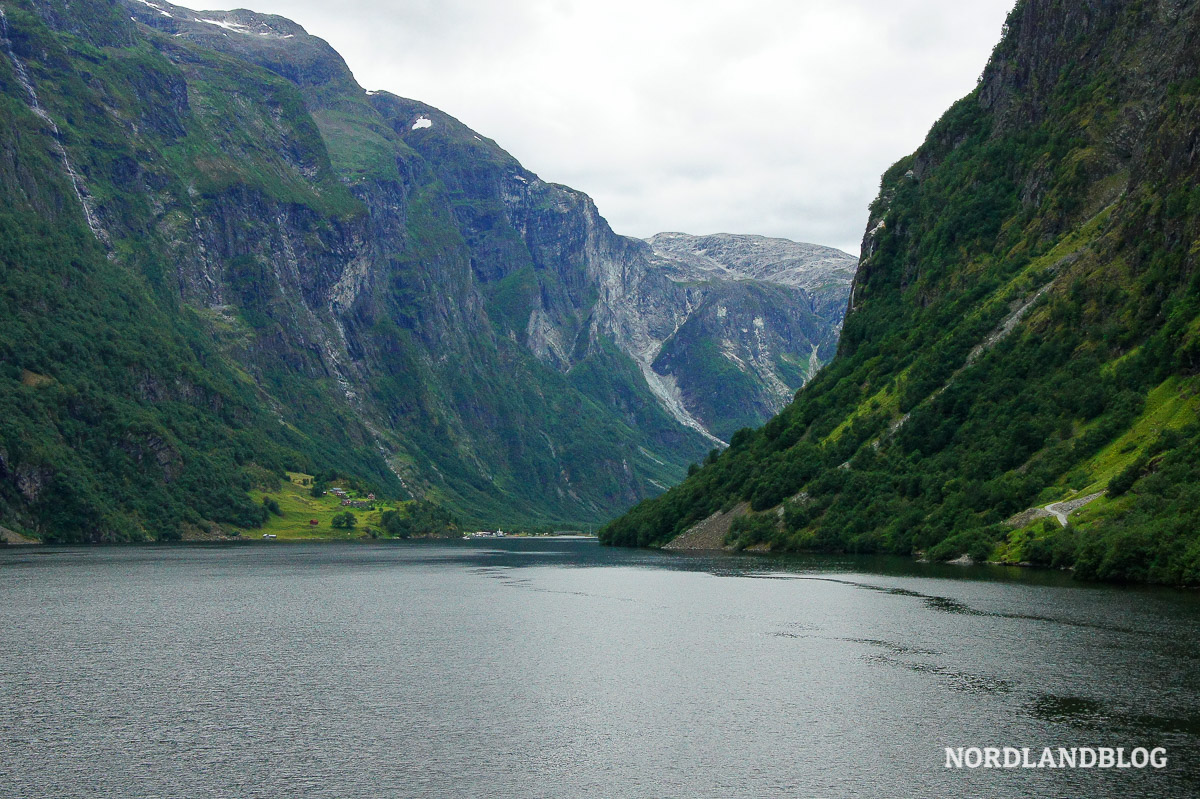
{"type": "Point", "coordinates": [563, 669]}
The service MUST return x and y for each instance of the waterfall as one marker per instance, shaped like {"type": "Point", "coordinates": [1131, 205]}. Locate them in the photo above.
{"type": "Point", "coordinates": [77, 183]}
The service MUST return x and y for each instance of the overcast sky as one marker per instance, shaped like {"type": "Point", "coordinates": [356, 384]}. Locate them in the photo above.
{"type": "Point", "coordinates": [774, 117]}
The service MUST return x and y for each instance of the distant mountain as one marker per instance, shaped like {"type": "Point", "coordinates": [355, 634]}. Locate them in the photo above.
{"type": "Point", "coordinates": [822, 272]}
{"type": "Point", "coordinates": [764, 316]}
{"type": "Point", "coordinates": [222, 258]}
{"type": "Point", "coordinates": [1017, 378]}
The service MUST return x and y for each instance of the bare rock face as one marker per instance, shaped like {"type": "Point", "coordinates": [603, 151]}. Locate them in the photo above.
{"type": "Point", "coordinates": [762, 317]}
{"type": "Point", "coordinates": [824, 273]}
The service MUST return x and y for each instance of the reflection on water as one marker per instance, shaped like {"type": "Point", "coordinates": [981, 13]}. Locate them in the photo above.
{"type": "Point", "coordinates": [525, 668]}
{"type": "Point", "coordinates": [1094, 715]}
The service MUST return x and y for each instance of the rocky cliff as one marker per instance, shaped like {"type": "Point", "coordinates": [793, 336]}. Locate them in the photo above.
{"type": "Point", "coordinates": [314, 276]}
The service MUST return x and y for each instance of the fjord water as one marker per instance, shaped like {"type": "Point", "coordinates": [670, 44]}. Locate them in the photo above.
{"type": "Point", "coordinates": [526, 668]}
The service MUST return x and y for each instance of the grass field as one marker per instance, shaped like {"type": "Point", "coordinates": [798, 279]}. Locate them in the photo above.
{"type": "Point", "coordinates": [1171, 406]}
{"type": "Point", "coordinates": [300, 509]}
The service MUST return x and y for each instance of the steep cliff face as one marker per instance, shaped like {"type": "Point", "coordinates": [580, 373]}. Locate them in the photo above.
{"type": "Point", "coordinates": [332, 280]}
{"type": "Point", "coordinates": [1022, 328]}
{"type": "Point", "coordinates": [557, 279]}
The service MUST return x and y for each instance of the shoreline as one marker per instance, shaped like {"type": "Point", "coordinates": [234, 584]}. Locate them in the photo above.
{"type": "Point", "coordinates": [244, 540]}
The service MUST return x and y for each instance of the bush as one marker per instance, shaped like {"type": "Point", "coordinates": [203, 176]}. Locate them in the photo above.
{"type": "Point", "coordinates": [344, 521]}
{"type": "Point", "coordinates": [751, 529]}
{"type": "Point", "coordinates": [419, 517]}
{"type": "Point", "coordinates": [976, 544]}
{"type": "Point", "coordinates": [1125, 480]}
{"type": "Point", "coordinates": [395, 524]}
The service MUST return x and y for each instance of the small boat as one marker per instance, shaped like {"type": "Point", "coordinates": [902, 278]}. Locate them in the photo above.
{"type": "Point", "coordinates": [269, 535]}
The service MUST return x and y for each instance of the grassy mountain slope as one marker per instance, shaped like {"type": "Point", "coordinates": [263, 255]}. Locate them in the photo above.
{"type": "Point", "coordinates": [1023, 328]}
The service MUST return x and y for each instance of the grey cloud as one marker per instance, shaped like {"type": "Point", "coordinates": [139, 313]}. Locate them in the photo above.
{"type": "Point", "coordinates": [768, 116]}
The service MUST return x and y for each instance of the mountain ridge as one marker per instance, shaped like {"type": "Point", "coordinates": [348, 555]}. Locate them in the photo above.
{"type": "Point", "coordinates": [382, 292]}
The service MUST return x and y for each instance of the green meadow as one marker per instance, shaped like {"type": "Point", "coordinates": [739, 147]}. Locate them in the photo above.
{"type": "Point", "coordinates": [300, 509]}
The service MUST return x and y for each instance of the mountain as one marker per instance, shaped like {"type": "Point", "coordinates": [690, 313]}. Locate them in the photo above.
{"type": "Point", "coordinates": [223, 259]}
{"type": "Point", "coordinates": [765, 317]}
{"type": "Point", "coordinates": [1017, 378]}
{"type": "Point", "coordinates": [559, 281]}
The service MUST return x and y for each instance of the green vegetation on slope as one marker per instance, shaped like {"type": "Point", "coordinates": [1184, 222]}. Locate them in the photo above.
{"type": "Point", "coordinates": [277, 282]}
{"type": "Point", "coordinates": [1028, 301]}
{"type": "Point", "coordinates": [120, 418]}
